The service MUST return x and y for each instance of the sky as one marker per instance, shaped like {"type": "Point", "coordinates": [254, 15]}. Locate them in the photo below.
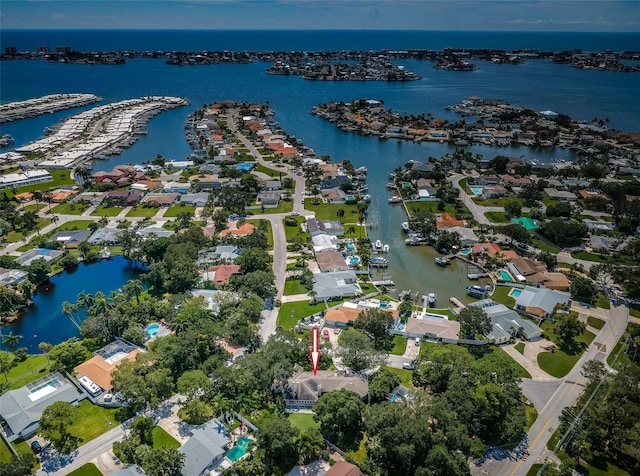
{"type": "Point", "coordinates": [475, 15]}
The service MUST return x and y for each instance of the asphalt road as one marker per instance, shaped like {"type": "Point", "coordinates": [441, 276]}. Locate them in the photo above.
{"type": "Point", "coordinates": [566, 394]}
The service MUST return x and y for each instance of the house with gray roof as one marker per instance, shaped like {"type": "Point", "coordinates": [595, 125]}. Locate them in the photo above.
{"type": "Point", "coordinates": [304, 388]}
{"type": "Point", "coordinates": [26, 258]}
{"type": "Point", "coordinates": [467, 235]}
{"type": "Point", "coordinates": [157, 231]}
{"type": "Point", "coordinates": [423, 167]}
{"type": "Point", "coordinates": [131, 470]}
{"type": "Point", "coordinates": [316, 227]}
{"type": "Point", "coordinates": [541, 302]}
{"type": "Point", "coordinates": [71, 239]}
{"type": "Point", "coordinates": [599, 225]}
{"type": "Point", "coordinates": [105, 236]}
{"type": "Point", "coordinates": [561, 195]}
{"type": "Point", "coordinates": [227, 253]}
{"type": "Point", "coordinates": [199, 199]}
{"type": "Point", "coordinates": [20, 409]}
{"type": "Point", "coordinates": [336, 285]}
{"type": "Point", "coordinates": [10, 277]}
{"type": "Point", "coordinates": [506, 322]}
{"type": "Point", "coordinates": [205, 449]}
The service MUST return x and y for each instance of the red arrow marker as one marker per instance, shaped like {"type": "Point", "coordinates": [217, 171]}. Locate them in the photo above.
{"type": "Point", "coordinates": [315, 351]}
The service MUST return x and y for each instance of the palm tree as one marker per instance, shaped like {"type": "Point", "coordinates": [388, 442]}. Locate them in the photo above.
{"type": "Point", "coordinates": [85, 300]}
{"type": "Point", "coordinates": [69, 310]}
{"type": "Point", "coordinates": [45, 348]}
{"type": "Point", "coordinates": [101, 304]}
{"type": "Point", "coordinates": [134, 287]}
{"type": "Point", "coordinates": [11, 340]}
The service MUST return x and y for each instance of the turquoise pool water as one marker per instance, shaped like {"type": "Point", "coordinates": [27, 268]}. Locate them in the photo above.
{"type": "Point", "coordinates": [476, 190]}
{"type": "Point", "coordinates": [152, 329]}
{"type": "Point", "coordinates": [465, 251]}
{"type": "Point", "coordinates": [515, 292]}
{"type": "Point", "coordinates": [350, 247]}
{"type": "Point", "coordinates": [527, 222]}
{"type": "Point", "coordinates": [240, 449]}
{"type": "Point", "coordinates": [505, 276]}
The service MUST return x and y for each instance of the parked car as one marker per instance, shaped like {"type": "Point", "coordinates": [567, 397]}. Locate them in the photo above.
{"type": "Point", "coordinates": [325, 333]}
{"type": "Point", "coordinates": [36, 447]}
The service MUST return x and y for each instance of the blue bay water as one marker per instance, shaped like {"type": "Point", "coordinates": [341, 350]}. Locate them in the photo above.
{"type": "Point", "coordinates": [537, 84]}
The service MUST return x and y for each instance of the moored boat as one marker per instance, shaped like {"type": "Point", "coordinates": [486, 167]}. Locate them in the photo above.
{"type": "Point", "coordinates": [442, 261]}
{"type": "Point", "coordinates": [395, 199]}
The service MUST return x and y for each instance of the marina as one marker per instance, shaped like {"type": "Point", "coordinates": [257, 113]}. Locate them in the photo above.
{"type": "Point", "coordinates": [17, 110]}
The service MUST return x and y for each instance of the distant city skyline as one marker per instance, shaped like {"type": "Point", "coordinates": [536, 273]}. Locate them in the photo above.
{"type": "Point", "coordinates": [472, 15]}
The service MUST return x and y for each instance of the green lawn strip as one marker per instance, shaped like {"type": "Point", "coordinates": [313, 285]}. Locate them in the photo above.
{"type": "Point", "coordinates": [501, 295]}
{"type": "Point", "coordinates": [405, 376]}
{"type": "Point", "coordinates": [635, 312]}
{"type": "Point", "coordinates": [541, 245]}
{"type": "Point", "coordinates": [21, 447]}
{"type": "Point", "coordinates": [102, 211]}
{"type": "Point", "coordinates": [5, 452]}
{"type": "Point", "coordinates": [162, 439]}
{"type": "Point", "coordinates": [496, 217]}
{"type": "Point", "coordinates": [520, 347]}
{"type": "Point", "coordinates": [432, 207]}
{"type": "Point", "coordinates": [92, 421]}
{"type": "Point", "coordinates": [524, 373]}
{"type": "Point", "coordinates": [367, 288]}
{"type": "Point", "coordinates": [142, 212]}
{"type": "Point", "coordinates": [399, 345]}
{"type": "Point", "coordinates": [34, 367]}
{"type": "Point", "coordinates": [300, 309]}
{"type": "Point", "coordinates": [442, 312]}
{"type": "Point", "coordinates": [88, 469]}
{"type": "Point", "coordinates": [293, 286]}
{"type": "Point", "coordinates": [360, 455]}
{"type": "Point", "coordinates": [618, 356]}
{"type": "Point", "coordinates": [531, 414]}
{"type": "Point", "coordinates": [284, 206]}
{"type": "Point", "coordinates": [327, 211]}
{"type": "Point", "coordinates": [582, 467]}
{"type": "Point", "coordinates": [256, 222]}
{"type": "Point", "coordinates": [534, 469]}
{"type": "Point", "coordinates": [491, 202]}
{"type": "Point", "coordinates": [588, 256]}
{"type": "Point", "coordinates": [70, 208]}
{"type": "Point", "coordinates": [274, 173]}
{"type": "Point", "coordinates": [14, 236]}
{"type": "Point", "coordinates": [74, 225]}
{"type": "Point", "coordinates": [595, 322]}
{"type": "Point", "coordinates": [60, 177]}
{"type": "Point", "coordinates": [560, 362]}
{"type": "Point", "coordinates": [175, 210]}
{"type": "Point", "coordinates": [602, 301]}
{"type": "Point", "coordinates": [303, 421]}
{"type": "Point", "coordinates": [292, 231]}
{"type": "Point", "coordinates": [34, 207]}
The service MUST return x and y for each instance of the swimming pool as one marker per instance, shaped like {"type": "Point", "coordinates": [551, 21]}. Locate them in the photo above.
{"type": "Point", "coordinates": [350, 247]}
{"type": "Point", "coordinates": [515, 292]}
{"type": "Point", "coordinates": [505, 276]}
{"type": "Point", "coordinates": [476, 190]}
{"type": "Point", "coordinates": [152, 329]}
{"type": "Point", "coordinates": [526, 222]}
{"type": "Point", "coordinates": [240, 448]}
{"type": "Point", "coordinates": [465, 251]}
{"type": "Point", "coordinates": [354, 261]}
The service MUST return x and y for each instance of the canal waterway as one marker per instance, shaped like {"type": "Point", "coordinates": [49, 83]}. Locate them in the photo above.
{"type": "Point", "coordinates": [43, 321]}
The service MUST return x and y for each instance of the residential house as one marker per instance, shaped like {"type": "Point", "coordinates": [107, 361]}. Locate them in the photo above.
{"type": "Point", "coordinates": [494, 191]}
{"type": "Point", "coordinates": [122, 198]}
{"type": "Point", "coordinates": [154, 231]}
{"type": "Point", "coordinates": [207, 185]}
{"type": "Point", "coordinates": [97, 371]}
{"type": "Point", "coordinates": [467, 235]}
{"type": "Point", "coordinates": [71, 239]}
{"type": "Point", "coordinates": [199, 199]}
{"type": "Point", "coordinates": [316, 227]}
{"type": "Point", "coordinates": [540, 303]}
{"type": "Point", "coordinates": [336, 285]}
{"type": "Point", "coordinates": [593, 193]}
{"type": "Point", "coordinates": [569, 182]}
{"type": "Point", "coordinates": [561, 195]}
{"type": "Point", "coordinates": [28, 257]}
{"type": "Point", "coordinates": [160, 199]}
{"type": "Point", "coordinates": [20, 409]}
{"type": "Point", "coordinates": [92, 198]}
{"type": "Point", "coordinates": [176, 187]}
{"type": "Point", "coordinates": [305, 388]}
{"type": "Point", "coordinates": [334, 196]}
{"type": "Point", "coordinates": [427, 167]}
{"type": "Point", "coordinates": [323, 241]}
{"type": "Point", "coordinates": [494, 251]}
{"type": "Point", "coordinates": [425, 326]}
{"type": "Point", "coordinates": [506, 322]}
{"type": "Point", "coordinates": [105, 236]}
{"type": "Point", "coordinates": [244, 230]}
{"type": "Point", "coordinates": [271, 198]}
{"type": "Point", "coordinates": [271, 185]}
{"type": "Point", "coordinates": [226, 253]}
{"type": "Point", "coordinates": [342, 317]}
{"type": "Point", "coordinates": [487, 180]}
{"type": "Point", "coordinates": [331, 260]}
{"type": "Point", "coordinates": [209, 169]}
{"type": "Point", "coordinates": [219, 275]}
{"type": "Point", "coordinates": [335, 182]}
{"type": "Point", "coordinates": [606, 243]}
{"type": "Point", "coordinates": [596, 225]}
{"type": "Point", "coordinates": [12, 277]}
{"type": "Point", "coordinates": [446, 220]}
{"type": "Point", "coordinates": [343, 468]}
{"type": "Point", "coordinates": [205, 448]}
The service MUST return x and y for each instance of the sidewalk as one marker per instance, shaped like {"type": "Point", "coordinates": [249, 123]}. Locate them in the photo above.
{"type": "Point", "coordinates": [532, 367]}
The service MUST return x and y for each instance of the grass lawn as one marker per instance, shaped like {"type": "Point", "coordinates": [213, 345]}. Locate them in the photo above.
{"type": "Point", "coordinates": [491, 202]}
{"type": "Point", "coordinates": [5, 453]}
{"type": "Point", "coordinates": [284, 206]}
{"type": "Point", "coordinates": [175, 210]}
{"type": "Point", "coordinates": [92, 421]}
{"type": "Point", "coordinates": [291, 231]}
{"type": "Point", "coordinates": [142, 212]}
{"type": "Point", "coordinates": [618, 357]}
{"type": "Point", "coordinates": [399, 345]}
{"type": "Point", "coordinates": [293, 286]}
{"type": "Point", "coordinates": [531, 414]}
{"type": "Point", "coordinates": [269, 171]}
{"type": "Point", "coordinates": [34, 207]}
{"type": "Point", "coordinates": [501, 295]}
{"type": "Point", "coordinates": [602, 301]}
{"type": "Point", "coordinates": [302, 421]}
{"type": "Point", "coordinates": [102, 211]}
{"type": "Point", "coordinates": [432, 207]}
{"type": "Point", "coordinates": [359, 455]}
{"type": "Point", "coordinates": [367, 288]}
{"type": "Point", "coordinates": [326, 211]}
{"type": "Point", "coordinates": [634, 312]}
{"type": "Point", "coordinates": [256, 222]}
{"type": "Point", "coordinates": [60, 177]}
{"type": "Point", "coordinates": [21, 446]}
{"type": "Point", "coordinates": [405, 376]}
{"type": "Point", "coordinates": [70, 208]}
{"type": "Point", "coordinates": [74, 225]}
{"type": "Point", "coordinates": [443, 312]}
{"type": "Point", "coordinates": [162, 439]}
{"type": "Point", "coordinates": [520, 347]}
{"type": "Point", "coordinates": [14, 236]}
{"type": "Point", "coordinates": [496, 217]}
{"type": "Point", "coordinates": [34, 367]}
{"type": "Point", "coordinates": [534, 469]}
{"type": "Point", "coordinates": [595, 322]}
{"type": "Point", "coordinates": [541, 245]}
{"type": "Point", "coordinates": [299, 309]}
{"type": "Point", "coordinates": [587, 256]}
{"type": "Point", "coordinates": [88, 469]}
{"type": "Point", "coordinates": [560, 362]}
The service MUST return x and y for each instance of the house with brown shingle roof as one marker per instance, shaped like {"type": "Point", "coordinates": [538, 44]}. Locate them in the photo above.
{"type": "Point", "coordinates": [219, 275]}
{"type": "Point", "coordinates": [244, 230]}
{"type": "Point", "coordinates": [343, 468]}
{"type": "Point", "coordinates": [446, 220]}
{"type": "Point", "coordinates": [331, 260]}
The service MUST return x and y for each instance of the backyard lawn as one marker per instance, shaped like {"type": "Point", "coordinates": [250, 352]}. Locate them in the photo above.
{"type": "Point", "coordinates": [92, 421]}
{"type": "Point", "coordinates": [541, 245]}
{"type": "Point", "coordinates": [291, 231]}
{"type": "Point", "coordinates": [496, 217]}
{"type": "Point", "coordinates": [34, 207]}
{"type": "Point", "coordinates": [162, 439]}
{"type": "Point", "coordinates": [302, 421]}
{"type": "Point", "coordinates": [102, 211]}
{"type": "Point", "coordinates": [326, 211]}
{"type": "Point", "coordinates": [299, 309]}
{"type": "Point", "coordinates": [88, 469]}
{"type": "Point", "coordinates": [432, 207]}
{"type": "Point", "coordinates": [74, 225]}
{"type": "Point", "coordinates": [271, 172]}
{"type": "Point", "coordinates": [501, 295]}
{"type": "Point", "coordinates": [562, 360]}
{"type": "Point", "coordinates": [405, 376]}
{"type": "Point", "coordinates": [142, 212]}
{"type": "Point", "coordinates": [293, 286]}
{"type": "Point", "coordinates": [176, 210]}
{"type": "Point", "coordinates": [284, 206]}
{"type": "Point", "coordinates": [399, 345]}
{"type": "Point", "coordinates": [34, 367]}
{"type": "Point", "coordinates": [70, 208]}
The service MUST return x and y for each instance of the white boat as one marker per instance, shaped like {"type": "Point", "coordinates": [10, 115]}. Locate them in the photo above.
{"type": "Point", "coordinates": [366, 198]}
{"type": "Point", "coordinates": [432, 300]}
{"type": "Point", "coordinates": [106, 253]}
{"type": "Point", "coordinates": [391, 185]}
{"type": "Point", "coordinates": [385, 248]}
{"type": "Point", "coordinates": [406, 228]}
{"type": "Point", "coordinates": [377, 245]}
{"type": "Point", "coordinates": [395, 199]}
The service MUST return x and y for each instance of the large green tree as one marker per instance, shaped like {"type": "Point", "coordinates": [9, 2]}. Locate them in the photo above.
{"type": "Point", "coordinates": [358, 351]}
{"type": "Point", "coordinates": [340, 416]}
{"type": "Point", "coordinates": [567, 327]}
{"type": "Point", "coordinates": [376, 323]}
{"type": "Point", "coordinates": [277, 439]}
{"type": "Point", "coordinates": [54, 426]}
{"type": "Point", "coordinates": [473, 321]}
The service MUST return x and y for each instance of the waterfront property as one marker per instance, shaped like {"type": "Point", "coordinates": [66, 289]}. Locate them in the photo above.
{"type": "Point", "coordinates": [20, 409]}
{"type": "Point", "coordinates": [336, 285]}
{"type": "Point", "coordinates": [540, 303]}
{"type": "Point", "coordinates": [305, 388]}
{"type": "Point", "coordinates": [507, 322]}
{"type": "Point", "coordinates": [432, 327]}
{"type": "Point", "coordinates": [27, 177]}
